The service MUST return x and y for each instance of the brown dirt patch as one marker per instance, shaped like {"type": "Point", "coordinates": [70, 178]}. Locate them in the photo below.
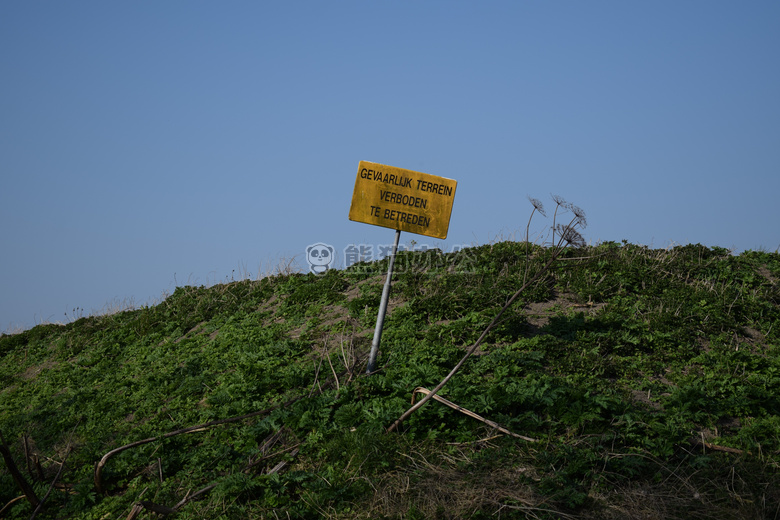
{"type": "Point", "coordinates": [333, 314]}
{"type": "Point", "coordinates": [270, 303]}
{"type": "Point", "coordinates": [640, 396]}
{"type": "Point", "coordinates": [766, 273]}
{"type": "Point", "coordinates": [33, 371]}
{"type": "Point", "coordinates": [354, 291]}
{"type": "Point", "coordinates": [539, 313]}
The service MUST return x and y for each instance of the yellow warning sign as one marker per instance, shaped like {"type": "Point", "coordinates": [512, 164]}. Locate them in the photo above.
{"type": "Point", "coordinates": [402, 199]}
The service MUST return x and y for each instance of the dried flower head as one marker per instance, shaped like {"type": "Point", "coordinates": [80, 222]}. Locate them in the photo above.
{"type": "Point", "coordinates": [578, 211]}
{"type": "Point", "coordinates": [537, 204]}
{"type": "Point", "coordinates": [560, 201]}
{"type": "Point", "coordinates": [570, 235]}
{"type": "Point", "coordinates": [579, 215]}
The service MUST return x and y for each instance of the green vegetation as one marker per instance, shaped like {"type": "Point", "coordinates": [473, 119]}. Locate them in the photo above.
{"type": "Point", "coordinates": [649, 380]}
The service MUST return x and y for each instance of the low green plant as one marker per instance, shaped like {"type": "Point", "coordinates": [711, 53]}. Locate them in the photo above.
{"type": "Point", "coordinates": [639, 372]}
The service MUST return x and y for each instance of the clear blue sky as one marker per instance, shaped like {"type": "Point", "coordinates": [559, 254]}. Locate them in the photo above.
{"type": "Point", "coordinates": [145, 145]}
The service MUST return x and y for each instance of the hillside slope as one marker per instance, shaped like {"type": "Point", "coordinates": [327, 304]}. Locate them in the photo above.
{"type": "Point", "coordinates": [643, 383]}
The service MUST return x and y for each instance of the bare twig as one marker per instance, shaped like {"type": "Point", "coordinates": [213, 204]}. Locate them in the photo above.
{"type": "Point", "coordinates": [263, 459]}
{"type": "Point", "coordinates": [348, 363]}
{"type": "Point", "coordinates": [9, 504]}
{"type": "Point", "coordinates": [151, 506]}
{"type": "Point", "coordinates": [191, 429]}
{"type": "Point", "coordinates": [165, 510]}
{"type": "Point", "coordinates": [279, 467]}
{"type": "Point", "coordinates": [333, 370]}
{"type": "Point", "coordinates": [27, 456]}
{"type": "Point", "coordinates": [53, 482]}
{"type": "Point", "coordinates": [316, 378]}
{"type": "Point", "coordinates": [537, 204]}
{"type": "Point", "coordinates": [195, 495]}
{"type": "Point", "coordinates": [531, 510]}
{"type": "Point", "coordinates": [478, 417]}
{"type": "Point", "coordinates": [24, 486]}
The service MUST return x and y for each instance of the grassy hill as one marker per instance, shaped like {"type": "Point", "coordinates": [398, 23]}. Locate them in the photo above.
{"type": "Point", "coordinates": [638, 383]}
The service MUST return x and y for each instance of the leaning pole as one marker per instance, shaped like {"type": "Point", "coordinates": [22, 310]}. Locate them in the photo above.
{"type": "Point", "coordinates": [380, 317]}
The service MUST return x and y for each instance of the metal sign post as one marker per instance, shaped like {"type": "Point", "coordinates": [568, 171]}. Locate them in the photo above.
{"type": "Point", "coordinates": [380, 318]}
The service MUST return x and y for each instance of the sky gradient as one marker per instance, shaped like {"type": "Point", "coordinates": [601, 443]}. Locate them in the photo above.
{"type": "Point", "coordinates": [148, 145]}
